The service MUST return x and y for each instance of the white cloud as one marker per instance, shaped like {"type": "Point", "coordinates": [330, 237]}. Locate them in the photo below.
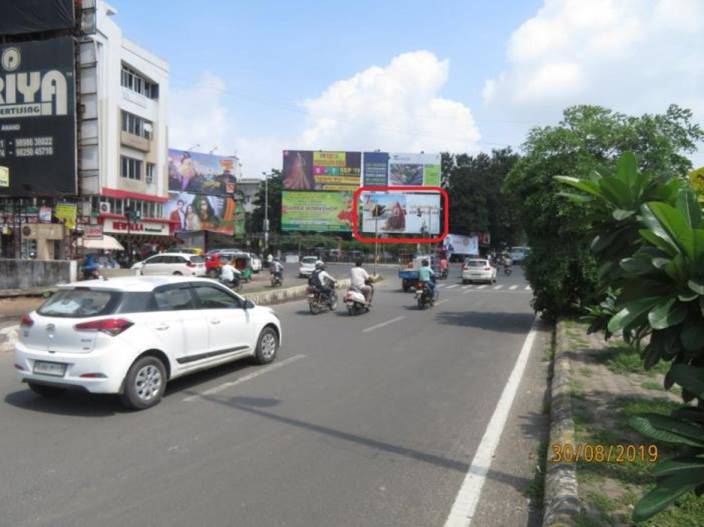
{"type": "Point", "coordinates": [397, 107]}
{"type": "Point", "coordinates": [634, 56]}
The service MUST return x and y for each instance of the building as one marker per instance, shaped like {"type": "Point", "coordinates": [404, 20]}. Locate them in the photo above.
{"type": "Point", "coordinates": [123, 135]}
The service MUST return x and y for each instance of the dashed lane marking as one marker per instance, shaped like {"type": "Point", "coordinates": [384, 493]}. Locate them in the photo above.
{"type": "Point", "coordinates": [382, 324]}
{"type": "Point", "coordinates": [452, 286]}
{"type": "Point", "coordinates": [513, 287]}
{"type": "Point", "coordinates": [498, 286]}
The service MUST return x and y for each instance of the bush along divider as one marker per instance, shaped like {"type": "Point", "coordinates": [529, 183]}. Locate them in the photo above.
{"type": "Point", "coordinates": [649, 246]}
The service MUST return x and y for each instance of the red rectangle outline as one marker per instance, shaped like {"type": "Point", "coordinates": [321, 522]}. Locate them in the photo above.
{"type": "Point", "coordinates": [355, 219]}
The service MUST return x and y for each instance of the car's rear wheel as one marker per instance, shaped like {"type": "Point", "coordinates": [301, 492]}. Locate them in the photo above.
{"type": "Point", "coordinates": [46, 391]}
{"type": "Point", "coordinates": [267, 346]}
{"type": "Point", "coordinates": [178, 273]}
{"type": "Point", "coordinates": [144, 384]}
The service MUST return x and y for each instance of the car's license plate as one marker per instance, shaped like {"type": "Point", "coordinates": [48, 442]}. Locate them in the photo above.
{"type": "Point", "coordinates": [55, 369]}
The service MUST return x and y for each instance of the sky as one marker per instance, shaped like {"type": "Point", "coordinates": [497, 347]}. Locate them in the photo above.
{"type": "Point", "coordinates": [253, 78]}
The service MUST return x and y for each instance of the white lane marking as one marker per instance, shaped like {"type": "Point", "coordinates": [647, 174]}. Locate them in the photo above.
{"type": "Point", "coordinates": [466, 292]}
{"type": "Point", "coordinates": [442, 301]}
{"type": "Point", "coordinates": [466, 286]}
{"type": "Point", "coordinates": [482, 286]}
{"type": "Point", "coordinates": [528, 288]}
{"type": "Point", "coordinates": [498, 286]}
{"type": "Point", "coordinates": [382, 324]}
{"type": "Point", "coordinates": [453, 286]}
{"type": "Point", "coordinates": [468, 496]}
{"type": "Point", "coordinates": [230, 384]}
{"type": "Point", "coordinates": [513, 287]}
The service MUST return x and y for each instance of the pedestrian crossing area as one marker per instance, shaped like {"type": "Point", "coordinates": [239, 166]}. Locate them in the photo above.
{"type": "Point", "coordinates": [468, 288]}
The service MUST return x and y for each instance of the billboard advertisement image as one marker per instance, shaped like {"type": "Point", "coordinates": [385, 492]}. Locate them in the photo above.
{"type": "Point", "coordinates": [459, 244]}
{"type": "Point", "coordinates": [414, 170]}
{"type": "Point", "coordinates": [198, 173]}
{"type": "Point", "coordinates": [38, 118]}
{"type": "Point", "coordinates": [319, 170]}
{"type": "Point", "coordinates": [316, 211]}
{"type": "Point", "coordinates": [195, 212]}
{"type": "Point", "coordinates": [400, 212]}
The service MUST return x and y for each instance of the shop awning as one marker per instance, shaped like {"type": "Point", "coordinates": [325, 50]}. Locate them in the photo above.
{"type": "Point", "coordinates": [108, 243]}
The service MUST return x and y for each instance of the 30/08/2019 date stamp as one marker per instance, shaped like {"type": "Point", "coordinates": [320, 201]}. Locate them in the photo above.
{"type": "Point", "coordinates": [596, 453]}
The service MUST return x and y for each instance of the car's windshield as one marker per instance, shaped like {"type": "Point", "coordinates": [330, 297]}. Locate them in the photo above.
{"type": "Point", "coordinates": [80, 302]}
{"type": "Point", "coordinates": [476, 263]}
{"type": "Point", "coordinates": [309, 259]}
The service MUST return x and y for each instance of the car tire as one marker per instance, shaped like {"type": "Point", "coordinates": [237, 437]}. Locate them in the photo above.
{"type": "Point", "coordinates": [144, 384]}
{"type": "Point", "coordinates": [46, 391]}
{"type": "Point", "coordinates": [267, 346]}
{"type": "Point", "coordinates": [178, 273]}
{"type": "Point", "coordinates": [465, 281]}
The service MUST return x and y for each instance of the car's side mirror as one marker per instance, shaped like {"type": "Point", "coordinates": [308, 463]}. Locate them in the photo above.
{"type": "Point", "coordinates": [248, 304]}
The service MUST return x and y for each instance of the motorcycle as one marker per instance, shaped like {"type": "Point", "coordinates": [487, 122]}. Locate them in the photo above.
{"type": "Point", "coordinates": [356, 302]}
{"type": "Point", "coordinates": [276, 281]}
{"type": "Point", "coordinates": [443, 274]}
{"type": "Point", "coordinates": [424, 297]}
{"type": "Point", "coordinates": [507, 270]}
{"type": "Point", "coordinates": [317, 301]}
{"type": "Point", "coordinates": [235, 285]}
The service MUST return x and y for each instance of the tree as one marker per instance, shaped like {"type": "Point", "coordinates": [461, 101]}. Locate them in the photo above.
{"type": "Point", "coordinates": [275, 186]}
{"type": "Point", "coordinates": [477, 202]}
{"type": "Point", "coordinates": [560, 267]}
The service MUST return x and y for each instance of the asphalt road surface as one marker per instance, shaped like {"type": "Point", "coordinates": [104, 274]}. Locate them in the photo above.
{"type": "Point", "coordinates": [371, 420]}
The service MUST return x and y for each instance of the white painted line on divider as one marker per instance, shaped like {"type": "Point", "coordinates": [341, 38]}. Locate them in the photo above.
{"type": "Point", "coordinates": [382, 324]}
{"type": "Point", "coordinates": [466, 292]}
{"type": "Point", "coordinates": [452, 286]}
{"type": "Point", "coordinates": [230, 384]}
{"type": "Point", "coordinates": [466, 286]}
{"type": "Point", "coordinates": [482, 286]}
{"type": "Point", "coordinates": [468, 496]}
{"type": "Point", "coordinates": [513, 287]}
{"type": "Point", "coordinates": [528, 288]}
{"type": "Point", "coordinates": [498, 286]}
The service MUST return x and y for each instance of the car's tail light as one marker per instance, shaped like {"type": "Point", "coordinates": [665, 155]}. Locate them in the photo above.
{"type": "Point", "coordinates": [487, 268]}
{"type": "Point", "coordinates": [190, 264]}
{"type": "Point", "coordinates": [26, 321]}
{"type": "Point", "coordinates": [18, 367]}
{"type": "Point", "coordinates": [110, 326]}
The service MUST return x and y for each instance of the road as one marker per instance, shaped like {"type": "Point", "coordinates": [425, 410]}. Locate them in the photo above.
{"type": "Point", "coordinates": [362, 421]}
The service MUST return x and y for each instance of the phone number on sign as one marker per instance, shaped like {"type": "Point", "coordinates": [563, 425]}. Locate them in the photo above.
{"type": "Point", "coordinates": [595, 453]}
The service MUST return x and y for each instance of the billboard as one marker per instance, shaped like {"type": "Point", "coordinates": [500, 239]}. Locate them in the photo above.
{"type": "Point", "coordinates": [414, 170]}
{"type": "Point", "coordinates": [316, 211]}
{"type": "Point", "coordinates": [319, 170]}
{"type": "Point", "coordinates": [459, 244]}
{"type": "Point", "coordinates": [400, 212]}
{"type": "Point", "coordinates": [376, 169]}
{"type": "Point", "coordinates": [32, 16]}
{"type": "Point", "coordinates": [37, 118]}
{"type": "Point", "coordinates": [195, 212]}
{"type": "Point", "coordinates": [198, 173]}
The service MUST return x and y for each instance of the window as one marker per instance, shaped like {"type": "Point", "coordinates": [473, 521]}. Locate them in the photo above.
{"type": "Point", "coordinates": [214, 298]}
{"type": "Point", "coordinates": [130, 168]}
{"type": "Point", "coordinates": [136, 125]}
{"type": "Point", "coordinates": [150, 173]}
{"type": "Point", "coordinates": [79, 302]}
{"type": "Point", "coordinates": [138, 83]}
{"type": "Point", "coordinates": [173, 299]}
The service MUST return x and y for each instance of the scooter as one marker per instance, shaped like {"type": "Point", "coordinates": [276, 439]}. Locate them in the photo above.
{"type": "Point", "coordinates": [443, 274]}
{"type": "Point", "coordinates": [317, 301]}
{"type": "Point", "coordinates": [276, 280]}
{"type": "Point", "coordinates": [356, 302]}
{"type": "Point", "coordinates": [424, 297]}
{"type": "Point", "coordinates": [507, 270]}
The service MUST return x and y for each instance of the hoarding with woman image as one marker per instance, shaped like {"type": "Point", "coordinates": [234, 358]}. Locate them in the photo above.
{"type": "Point", "coordinates": [195, 212]}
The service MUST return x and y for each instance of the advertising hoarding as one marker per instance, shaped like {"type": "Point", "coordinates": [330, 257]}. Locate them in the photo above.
{"type": "Point", "coordinates": [319, 170]}
{"type": "Point", "coordinates": [32, 16]}
{"type": "Point", "coordinates": [401, 212]}
{"type": "Point", "coordinates": [37, 118]}
{"type": "Point", "coordinates": [459, 244]}
{"type": "Point", "coordinates": [195, 212]}
{"type": "Point", "coordinates": [316, 211]}
{"type": "Point", "coordinates": [198, 173]}
{"type": "Point", "coordinates": [375, 169]}
{"type": "Point", "coordinates": [414, 170]}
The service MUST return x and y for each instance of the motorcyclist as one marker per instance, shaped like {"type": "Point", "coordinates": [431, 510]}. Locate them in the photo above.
{"type": "Point", "coordinates": [229, 275]}
{"type": "Point", "coordinates": [360, 279]}
{"type": "Point", "coordinates": [426, 276]}
{"type": "Point", "coordinates": [320, 280]}
{"type": "Point", "coordinates": [443, 265]}
{"type": "Point", "coordinates": [277, 269]}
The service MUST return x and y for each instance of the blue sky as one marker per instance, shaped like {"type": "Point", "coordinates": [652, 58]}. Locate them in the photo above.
{"type": "Point", "coordinates": [472, 75]}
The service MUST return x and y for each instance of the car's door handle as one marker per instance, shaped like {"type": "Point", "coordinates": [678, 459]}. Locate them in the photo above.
{"type": "Point", "coordinates": [162, 327]}
{"type": "Point", "coordinates": [215, 321]}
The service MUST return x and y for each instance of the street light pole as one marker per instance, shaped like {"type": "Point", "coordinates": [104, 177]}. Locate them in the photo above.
{"type": "Point", "coordinates": [266, 210]}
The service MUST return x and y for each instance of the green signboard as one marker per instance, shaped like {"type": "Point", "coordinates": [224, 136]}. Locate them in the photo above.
{"type": "Point", "coordinates": [316, 211]}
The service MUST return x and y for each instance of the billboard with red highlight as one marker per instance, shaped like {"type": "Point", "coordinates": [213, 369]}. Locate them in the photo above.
{"type": "Point", "coordinates": [400, 211]}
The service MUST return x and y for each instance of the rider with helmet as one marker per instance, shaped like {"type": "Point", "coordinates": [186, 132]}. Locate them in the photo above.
{"type": "Point", "coordinates": [320, 280]}
{"type": "Point", "coordinates": [426, 275]}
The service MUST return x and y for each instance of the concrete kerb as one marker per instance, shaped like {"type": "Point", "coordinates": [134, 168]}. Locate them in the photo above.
{"type": "Point", "coordinates": [561, 501]}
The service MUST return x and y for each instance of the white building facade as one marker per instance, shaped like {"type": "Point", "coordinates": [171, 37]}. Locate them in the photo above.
{"type": "Point", "coordinates": [123, 133]}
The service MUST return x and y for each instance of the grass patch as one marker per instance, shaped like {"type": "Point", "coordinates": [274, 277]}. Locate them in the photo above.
{"type": "Point", "coordinates": [623, 359]}
{"type": "Point", "coordinates": [586, 372]}
{"type": "Point", "coordinates": [535, 489]}
{"type": "Point", "coordinates": [690, 511]}
{"type": "Point", "coordinates": [602, 502]}
{"type": "Point", "coordinates": [652, 385]}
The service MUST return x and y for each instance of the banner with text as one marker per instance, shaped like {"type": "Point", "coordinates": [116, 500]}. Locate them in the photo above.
{"type": "Point", "coordinates": [198, 173]}
{"type": "Point", "coordinates": [319, 170]}
{"type": "Point", "coordinates": [316, 211]}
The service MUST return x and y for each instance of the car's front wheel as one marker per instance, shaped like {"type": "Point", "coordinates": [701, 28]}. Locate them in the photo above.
{"type": "Point", "coordinates": [144, 384]}
{"type": "Point", "coordinates": [267, 346]}
{"type": "Point", "coordinates": [46, 391]}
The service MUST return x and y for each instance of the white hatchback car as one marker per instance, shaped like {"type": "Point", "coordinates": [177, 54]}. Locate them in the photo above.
{"type": "Point", "coordinates": [130, 335]}
{"type": "Point", "coordinates": [172, 263]}
{"type": "Point", "coordinates": [307, 266]}
{"type": "Point", "coordinates": [478, 270]}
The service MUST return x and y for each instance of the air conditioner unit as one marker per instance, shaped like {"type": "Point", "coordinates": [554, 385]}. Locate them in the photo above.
{"type": "Point", "coordinates": [104, 207]}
